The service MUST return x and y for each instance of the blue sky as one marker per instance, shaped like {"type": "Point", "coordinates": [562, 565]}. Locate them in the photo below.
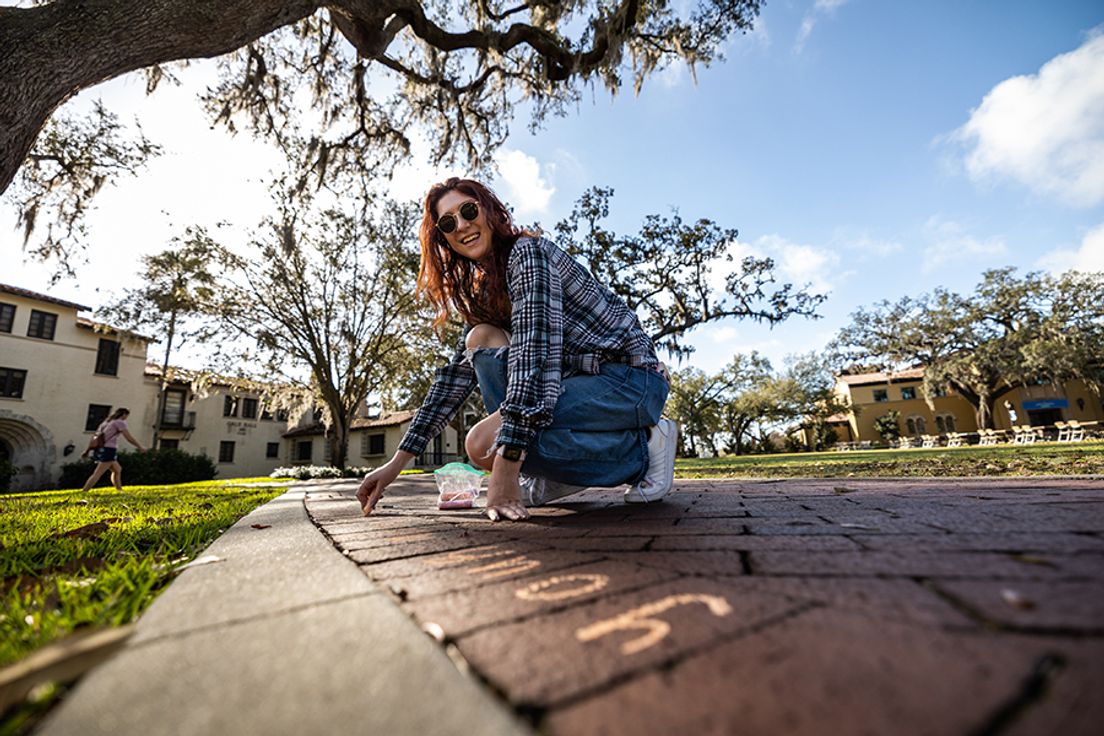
{"type": "Point", "coordinates": [874, 148]}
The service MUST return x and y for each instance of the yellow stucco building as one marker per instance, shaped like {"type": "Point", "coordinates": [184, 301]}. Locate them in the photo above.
{"type": "Point", "coordinates": [872, 395]}
{"type": "Point", "coordinates": [62, 374]}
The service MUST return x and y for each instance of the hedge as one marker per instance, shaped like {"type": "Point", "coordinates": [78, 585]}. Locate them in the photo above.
{"type": "Point", "coordinates": [152, 467]}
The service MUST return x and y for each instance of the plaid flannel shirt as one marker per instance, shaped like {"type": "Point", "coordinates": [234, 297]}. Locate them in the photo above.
{"type": "Point", "coordinates": [563, 322]}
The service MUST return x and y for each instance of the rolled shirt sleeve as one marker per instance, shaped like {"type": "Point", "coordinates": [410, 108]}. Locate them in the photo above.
{"type": "Point", "coordinates": [452, 384]}
{"type": "Point", "coordinates": [536, 346]}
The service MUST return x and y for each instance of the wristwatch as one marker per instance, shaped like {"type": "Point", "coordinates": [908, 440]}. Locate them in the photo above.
{"type": "Point", "coordinates": [513, 453]}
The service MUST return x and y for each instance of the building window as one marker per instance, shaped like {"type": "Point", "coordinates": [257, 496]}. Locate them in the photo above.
{"type": "Point", "coordinates": [107, 358]}
{"type": "Point", "coordinates": [249, 408]}
{"type": "Point", "coordinates": [226, 451]}
{"type": "Point", "coordinates": [272, 449]}
{"type": "Point", "coordinates": [7, 317]}
{"type": "Point", "coordinates": [266, 415]}
{"type": "Point", "coordinates": [173, 413]}
{"type": "Point", "coordinates": [281, 415]}
{"type": "Point", "coordinates": [916, 426]}
{"type": "Point", "coordinates": [230, 406]}
{"type": "Point", "coordinates": [907, 394]}
{"type": "Point", "coordinates": [97, 413]}
{"type": "Point", "coordinates": [303, 450]}
{"type": "Point", "coordinates": [945, 423]}
{"type": "Point", "coordinates": [170, 444]}
{"type": "Point", "coordinates": [11, 382]}
{"type": "Point", "coordinates": [371, 444]}
{"type": "Point", "coordinates": [42, 325]}
{"type": "Point", "coordinates": [880, 395]}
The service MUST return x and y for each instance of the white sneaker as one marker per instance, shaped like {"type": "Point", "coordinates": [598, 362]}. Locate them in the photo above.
{"type": "Point", "coordinates": [661, 465]}
{"type": "Point", "coordinates": [539, 491]}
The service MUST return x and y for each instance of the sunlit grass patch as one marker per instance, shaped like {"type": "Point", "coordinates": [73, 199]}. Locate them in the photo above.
{"type": "Point", "coordinates": [1046, 458]}
{"type": "Point", "coordinates": [70, 560]}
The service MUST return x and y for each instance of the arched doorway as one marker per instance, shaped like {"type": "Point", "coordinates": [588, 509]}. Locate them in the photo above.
{"type": "Point", "coordinates": [28, 446]}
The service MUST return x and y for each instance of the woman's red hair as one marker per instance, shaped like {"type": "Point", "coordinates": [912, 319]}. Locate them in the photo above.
{"type": "Point", "coordinates": [449, 280]}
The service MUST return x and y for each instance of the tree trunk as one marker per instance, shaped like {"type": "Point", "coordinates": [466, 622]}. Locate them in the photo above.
{"type": "Point", "coordinates": [50, 52]}
{"type": "Point", "coordinates": [164, 385]}
{"type": "Point", "coordinates": [340, 453]}
{"type": "Point", "coordinates": [461, 435]}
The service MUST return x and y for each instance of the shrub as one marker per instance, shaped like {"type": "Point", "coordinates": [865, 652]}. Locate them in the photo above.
{"type": "Point", "coordinates": [153, 467]}
{"type": "Point", "coordinates": [306, 472]}
{"type": "Point", "coordinates": [7, 472]}
{"type": "Point", "coordinates": [312, 472]}
{"type": "Point", "coordinates": [888, 425]}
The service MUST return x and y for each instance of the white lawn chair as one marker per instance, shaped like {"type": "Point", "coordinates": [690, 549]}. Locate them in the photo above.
{"type": "Point", "coordinates": [1076, 432]}
{"type": "Point", "coordinates": [1063, 431]}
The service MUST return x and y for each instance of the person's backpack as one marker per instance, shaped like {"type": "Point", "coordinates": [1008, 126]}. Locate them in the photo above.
{"type": "Point", "coordinates": [97, 440]}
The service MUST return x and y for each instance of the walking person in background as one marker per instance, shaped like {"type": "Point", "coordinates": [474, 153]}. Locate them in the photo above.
{"type": "Point", "coordinates": [571, 383]}
{"type": "Point", "coordinates": [105, 455]}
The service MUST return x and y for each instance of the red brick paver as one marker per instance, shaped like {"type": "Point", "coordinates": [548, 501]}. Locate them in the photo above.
{"type": "Point", "coordinates": [759, 607]}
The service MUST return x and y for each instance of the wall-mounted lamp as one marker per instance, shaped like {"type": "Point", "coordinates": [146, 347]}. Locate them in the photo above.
{"type": "Point", "coordinates": [1080, 403]}
{"type": "Point", "coordinates": [68, 450]}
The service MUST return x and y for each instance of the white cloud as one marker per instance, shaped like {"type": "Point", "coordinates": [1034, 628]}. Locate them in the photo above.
{"type": "Point", "coordinates": [794, 263]}
{"type": "Point", "coordinates": [820, 8]}
{"type": "Point", "coordinates": [949, 243]}
{"type": "Point", "coordinates": [864, 244]}
{"type": "Point", "coordinates": [414, 176]}
{"type": "Point", "coordinates": [807, 24]}
{"type": "Point", "coordinates": [1088, 257]}
{"type": "Point", "coordinates": [760, 34]}
{"type": "Point", "coordinates": [527, 190]}
{"type": "Point", "coordinates": [1045, 130]}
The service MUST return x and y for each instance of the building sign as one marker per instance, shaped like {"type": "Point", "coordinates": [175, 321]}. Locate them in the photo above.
{"type": "Point", "coordinates": [1046, 404]}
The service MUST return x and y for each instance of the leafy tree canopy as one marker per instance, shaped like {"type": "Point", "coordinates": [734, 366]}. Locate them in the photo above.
{"type": "Point", "coordinates": [337, 86]}
{"type": "Point", "coordinates": [1011, 331]}
{"type": "Point", "coordinates": [676, 275]}
{"type": "Point", "coordinates": [330, 292]}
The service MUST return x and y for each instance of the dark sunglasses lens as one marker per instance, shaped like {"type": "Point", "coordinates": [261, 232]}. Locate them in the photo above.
{"type": "Point", "coordinates": [469, 211]}
{"type": "Point", "coordinates": [446, 224]}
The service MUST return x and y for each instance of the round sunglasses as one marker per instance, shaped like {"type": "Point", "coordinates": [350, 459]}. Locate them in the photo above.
{"type": "Point", "coordinates": [447, 223]}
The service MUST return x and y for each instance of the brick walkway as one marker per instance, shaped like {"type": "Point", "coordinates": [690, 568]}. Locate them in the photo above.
{"type": "Point", "coordinates": [937, 606]}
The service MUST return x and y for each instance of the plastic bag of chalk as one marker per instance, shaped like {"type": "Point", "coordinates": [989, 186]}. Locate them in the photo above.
{"type": "Point", "coordinates": [457, 485]}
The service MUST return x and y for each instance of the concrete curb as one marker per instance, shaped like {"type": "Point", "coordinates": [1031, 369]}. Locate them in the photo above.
{"type": "Point", "coordinates": [283, 635]}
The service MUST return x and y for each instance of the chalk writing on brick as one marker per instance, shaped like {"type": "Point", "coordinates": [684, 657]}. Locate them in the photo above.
{"type": "Point", "coordinates": [502, 568]}
{"type": "Point", "coordinates": [540, 590]}
{"type": "Point", "coordinates": [461, 556]}
{"type": "Point", "coordinates": [640, 618]}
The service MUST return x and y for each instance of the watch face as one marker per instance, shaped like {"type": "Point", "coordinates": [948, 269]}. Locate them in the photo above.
{"type": "Point", "coordinates": [511, 453]}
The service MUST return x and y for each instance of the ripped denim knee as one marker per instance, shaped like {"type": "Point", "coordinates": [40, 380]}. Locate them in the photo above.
{"type": "Point", "coordinates": [490, 366]}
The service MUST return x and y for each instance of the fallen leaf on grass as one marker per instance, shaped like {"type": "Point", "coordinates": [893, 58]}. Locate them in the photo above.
{"type": "Point", "coordinates": [1017, 599]}
{"type": "Point", "coordinates": [204, 560]}
{"type": "Point", "coordinates": [62, 661]}
{"type": "Point", "coordinates": [261, 526]}
{"type": "Point", "coordinates": [88, 531]}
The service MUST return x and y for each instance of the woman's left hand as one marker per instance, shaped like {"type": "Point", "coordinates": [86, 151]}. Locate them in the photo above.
{"type": "Point", "coordinates": [504, 493]}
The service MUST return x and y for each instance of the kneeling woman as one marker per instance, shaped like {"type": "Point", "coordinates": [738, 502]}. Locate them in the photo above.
{"type": "Point", "coordinates": [571, 382]}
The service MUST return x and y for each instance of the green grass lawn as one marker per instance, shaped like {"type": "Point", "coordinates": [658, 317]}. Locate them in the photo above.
{"type": "Point", "coordinates": [71, 560]}
{"type": "Point", "coordinates": [1048, 458]}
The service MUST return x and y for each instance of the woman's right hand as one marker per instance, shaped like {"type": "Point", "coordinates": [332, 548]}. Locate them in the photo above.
{"type": "Point", "coordinates": [371, 488]}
